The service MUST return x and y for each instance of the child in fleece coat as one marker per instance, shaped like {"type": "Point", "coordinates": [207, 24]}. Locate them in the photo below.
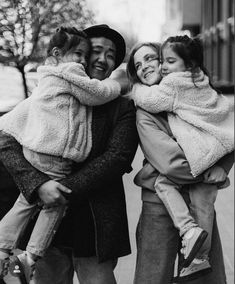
{"type": "Point", "coordinates": [54, 127]}
{"type": "Point", "coordinates": [202, 123]}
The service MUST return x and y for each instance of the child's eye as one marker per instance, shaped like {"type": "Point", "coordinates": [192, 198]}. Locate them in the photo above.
{"type": "Point", "coordinates": [78, 53]}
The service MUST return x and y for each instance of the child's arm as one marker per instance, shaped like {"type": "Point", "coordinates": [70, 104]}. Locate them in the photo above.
{"type": "Point", "coordinates": [89, 91]}
{"type": "Point", "coordinates": [154, 99]}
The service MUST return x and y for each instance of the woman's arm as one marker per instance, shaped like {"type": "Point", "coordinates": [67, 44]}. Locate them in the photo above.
{"type": "Point", "coordinates": [164, 153]}
{"type": "Point", "coordinates": [161, 150]}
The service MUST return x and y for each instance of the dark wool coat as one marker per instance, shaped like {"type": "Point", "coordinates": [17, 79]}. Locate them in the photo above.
{"type": "Point", "coordinates": [96, 183]}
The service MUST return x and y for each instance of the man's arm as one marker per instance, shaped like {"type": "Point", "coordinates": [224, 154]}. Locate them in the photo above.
{"type": "Point", "coordinates": [116, 160]}
{"type": "Point", "coordinates": [32, 183]}
{"type": "Point", "coordinates": [27, 178]}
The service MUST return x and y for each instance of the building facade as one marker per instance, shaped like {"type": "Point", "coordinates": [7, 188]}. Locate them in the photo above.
{"type": "Point", "coordinates": [213, 22]}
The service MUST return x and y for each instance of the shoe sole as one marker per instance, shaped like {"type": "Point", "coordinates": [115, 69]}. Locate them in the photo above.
{"type": "Point", "coordinates": [20, 275]}
{"type": "Point", "coordinates": [201, 239]}
{"type": "Point", "coordinates": [192, 276]}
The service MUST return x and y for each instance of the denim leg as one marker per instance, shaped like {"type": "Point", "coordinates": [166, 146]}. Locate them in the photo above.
{"type": "Point", "coordinates": [88, 270]}
{"type": "Point", "coordinates": [202, 197]}
{"type": "Point", "coordinates": [56, 267]}
{"type": "Point", "coordinates": [168, 192]}
{"type": "Point", "coordinates": [45, 229]}
{"type": "Point", "coordinates": [157, 245]}
{"type": "Point", "coordinates": [14, 222]}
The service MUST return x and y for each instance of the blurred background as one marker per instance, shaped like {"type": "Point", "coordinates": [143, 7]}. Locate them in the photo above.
{"type": "Point", "coordinates": [26, 25]}
{"type": "Point", "coordinates": [25, 28]}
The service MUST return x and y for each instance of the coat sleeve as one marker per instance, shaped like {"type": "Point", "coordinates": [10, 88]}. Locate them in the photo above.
{"type": "Point", "coordinates": [161, 150]}
{"type": "Point", "coordinates": [90, 92]}
{"type": "Point", "coordinates": [155, 98]}
{"type": "Point", "coordinates": [110, 165]}
{"type": "Point", "coordinates": [25, 176]}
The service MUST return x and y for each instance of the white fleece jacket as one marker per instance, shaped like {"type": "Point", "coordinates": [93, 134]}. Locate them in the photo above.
{"type": "Point", "coordinates": [200, 119]}
{"type": "Point", "coordinates": [56, 118]}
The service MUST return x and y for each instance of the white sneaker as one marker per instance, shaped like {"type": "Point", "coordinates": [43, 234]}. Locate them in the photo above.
{"type": "Point", "coordinates": [193, 271]}
{"type": "Point", "coordinates": [191, 244]}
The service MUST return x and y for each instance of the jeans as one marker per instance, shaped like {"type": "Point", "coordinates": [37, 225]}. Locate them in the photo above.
{"type": "Point", "coordinates": [54, 166]}
{"type": "Point", "coordinates": [15, 221]}
{"type": "Point", "coordinates": [58, 267]}
{"type": "Point", "coordinates": [158, 242]}
{"type": "Point", "coordinates": [201, 212]}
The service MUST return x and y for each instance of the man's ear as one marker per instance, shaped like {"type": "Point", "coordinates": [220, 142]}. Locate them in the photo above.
{"type": "Point", "coordinates": [56, 52]}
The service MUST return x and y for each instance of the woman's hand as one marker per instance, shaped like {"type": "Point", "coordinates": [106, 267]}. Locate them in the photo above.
{"type": "Point", "coordinates": [215, 174]}
{"type": "Point", "coordinates": [50, 193]}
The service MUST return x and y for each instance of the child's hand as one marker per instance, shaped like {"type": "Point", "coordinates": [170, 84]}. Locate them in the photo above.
{"type": "Point", "coordinates": [215, 174]}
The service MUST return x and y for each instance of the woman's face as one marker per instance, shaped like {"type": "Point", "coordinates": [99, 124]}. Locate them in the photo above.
{"type": "Point", "coordinates": [146, 61]}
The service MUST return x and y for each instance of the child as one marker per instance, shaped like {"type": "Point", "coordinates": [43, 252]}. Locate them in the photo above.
{"type": "Point", "coordinates": [201, 121]}
{"type": "Point", "coordinates": [54, 127]}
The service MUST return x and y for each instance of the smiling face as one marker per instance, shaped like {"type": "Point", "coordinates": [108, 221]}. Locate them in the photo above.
{"type": "Point", "coordinates": [102, 58]}
{"type": "Point", "coordinates": [171, 61]}
{"type": "Point", "coordinates": [146, 61]}
{"type": "Point", "coordinates": [78, 54]}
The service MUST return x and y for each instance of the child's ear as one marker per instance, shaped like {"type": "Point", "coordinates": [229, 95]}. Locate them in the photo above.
{"type": "Point", "coordinates": [56, 52]}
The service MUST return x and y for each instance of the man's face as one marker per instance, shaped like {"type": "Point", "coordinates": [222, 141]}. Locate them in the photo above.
{"type": "Point", "coordinates": [102, 58]}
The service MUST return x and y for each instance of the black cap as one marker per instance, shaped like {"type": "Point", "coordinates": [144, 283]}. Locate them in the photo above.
{"type": "Point", "coordinates": [114, 36]}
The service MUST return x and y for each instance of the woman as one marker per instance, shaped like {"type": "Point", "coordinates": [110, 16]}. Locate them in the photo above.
{"type": "Point", "coordinates": [157, 238]}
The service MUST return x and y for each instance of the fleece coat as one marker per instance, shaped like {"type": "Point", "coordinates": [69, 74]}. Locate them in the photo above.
{"type": "Point", "coordinates": [200, 119]}
{"type": "Point", "coordinates": [56, 118]}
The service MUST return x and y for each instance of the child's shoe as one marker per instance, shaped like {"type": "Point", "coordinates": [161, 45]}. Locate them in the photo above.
{"type": "Point", "coordinates": [23, 267]}
{"type": "Point", "coordinates": [196, 269]}
{"type": "Point", "coordinates": [191, 243]}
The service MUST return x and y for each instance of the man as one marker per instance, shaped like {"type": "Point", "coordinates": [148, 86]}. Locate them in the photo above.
{"type": "Point", "coordinates": [94, 232]}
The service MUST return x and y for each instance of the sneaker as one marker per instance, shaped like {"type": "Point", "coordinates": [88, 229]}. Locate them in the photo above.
{"type": "Point", "coordinates": [4, 265]}
{"type": "Point", "coordinates": [193, 271]}
{"type": "Point", "coordinates": [20, 267]}
{"type": "Point", "coordinates": [191, 243]}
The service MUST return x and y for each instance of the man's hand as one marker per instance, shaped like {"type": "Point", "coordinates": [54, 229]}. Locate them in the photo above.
{"type": "Point", "coordinates": [215, 174]}
{"type": "Point", "coordinates": [50, 193]}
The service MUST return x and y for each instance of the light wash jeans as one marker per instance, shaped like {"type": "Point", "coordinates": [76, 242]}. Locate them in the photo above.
{"type": "Point", "coordinates": [199, 213]}
{"type": "Point", "coordinates": [158, 242]}
{"type": "Point", "coordinates": [58, 267]}
{"type": "Point", "coordinates": [15, 221]}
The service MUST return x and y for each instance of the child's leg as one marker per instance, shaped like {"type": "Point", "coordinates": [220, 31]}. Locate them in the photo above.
{"type": "Point", "coordinates": [202, 197]}
{"type": "Point", "coordinates": [23, 265]}
{"type": "Point", "coordinates": [45, 228]}
{"type": "Point", "coordinates": [169, 193]}
{"type": "Point", "coordinates": [14, 222]}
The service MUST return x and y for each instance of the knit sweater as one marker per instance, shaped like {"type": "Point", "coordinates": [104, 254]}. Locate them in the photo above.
{"type": "Point", "coordinates": [200, 119]}
{"type": "Point", "coordinates": [56, 118]}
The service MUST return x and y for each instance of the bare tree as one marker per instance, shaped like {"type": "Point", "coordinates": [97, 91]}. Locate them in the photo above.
{"type": "Point", "coordinates": [25, 27]}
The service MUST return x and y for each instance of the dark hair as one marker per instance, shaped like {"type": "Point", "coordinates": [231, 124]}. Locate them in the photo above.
{"type": "Point", "coordinates": [130, 69]}
{"type": "Point", "coordinates": [191, 51]}
{"type": "Point", "coordinates": [66, 38]}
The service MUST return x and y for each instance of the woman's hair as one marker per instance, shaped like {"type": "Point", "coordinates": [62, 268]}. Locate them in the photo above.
{"type": "Point", "coordinates": [190, 50]}
{"type": "Point", "coordinates": [65, 38]}
{"type": "Point", "coordinates": [130, 69]}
